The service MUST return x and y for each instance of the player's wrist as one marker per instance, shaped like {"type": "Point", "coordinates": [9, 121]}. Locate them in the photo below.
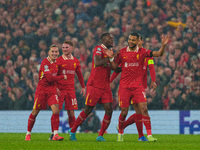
{"type": "Point", "coordinates": [111, 59]}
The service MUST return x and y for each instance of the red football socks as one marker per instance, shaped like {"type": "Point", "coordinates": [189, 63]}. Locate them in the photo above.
{"type": "Point", "coordinates": [55, 121]}
{"type": "Point", "coordinates": [105, 124]}
{"type": "Point", "coordinates": [31, 121]}
{"type": "Point", "coordinates": [130, 120]}
{"type": "Point", "coordinates": [147, 124]}
{"type": "Point", "coordinates": [71, 121]}
{"type": "Point", "coordinates": [139, 124]}
{"type": "Point", "coordinates": [81, 118]}
{"type": "Point", "coordinates": [121, 124]}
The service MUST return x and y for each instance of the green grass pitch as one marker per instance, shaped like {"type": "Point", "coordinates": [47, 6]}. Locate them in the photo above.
{"type": "Point", "coordinates": [87, 141]}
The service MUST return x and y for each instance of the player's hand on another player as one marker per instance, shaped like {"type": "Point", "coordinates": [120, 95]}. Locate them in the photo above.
{"type": "Point", "coordinates": [153, 85]}
{"type": "Point", "coordinates": [58, 91]}
{"type": "Point", "coordinates": [65, 77]}
{"type": "Point", "coordinates": [165, 39]}
{"type": "Point", "coordinates": [83, 91]}
{"type": "Point", "coordinates": [109, 53]}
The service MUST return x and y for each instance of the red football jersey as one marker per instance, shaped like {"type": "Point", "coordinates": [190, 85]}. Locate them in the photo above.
{"type": "Point", "coordinates": [100, 76]}
{"type": "Point", "coordinates": [132, 64]}
{"type": "Point", "coordinates": [69, 67]}
{"type": "Point", "coordinates": [48, 74]}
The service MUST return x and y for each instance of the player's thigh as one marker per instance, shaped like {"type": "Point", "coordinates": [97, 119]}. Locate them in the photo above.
{"type": "Point", "coordinates": [93, 95]}
{"type": "Point", "coordinates": [61, 98]}
{"type": "Point", "coordinates": [139, 96]}
{"type": "Point", "coordinates": [71, 101]}
{"type": "Point", "coordinates": [53, 98]}
{"type": "Point", "coordinates": [106, 97]}
{"type": "Point", "coordinates": [40, 100]}
{"type": "Point", "coordinates": [124, 96]}
{"type": "Point", "coordinates": [55, 109]}
{"type": "Point", "coordinates": [136, 108]}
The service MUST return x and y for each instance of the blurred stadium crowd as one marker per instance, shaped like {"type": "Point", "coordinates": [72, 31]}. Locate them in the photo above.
{"type": "Point", "coordinates": [29, 27]}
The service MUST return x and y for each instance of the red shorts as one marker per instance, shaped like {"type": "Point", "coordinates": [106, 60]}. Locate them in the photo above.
{"type": "Point", "coordinates": [129, 96]}
{"type": "Point", "coordinates": [69, 98]}
{"type": "Point", "coordinates": [96, 95]}
{"type": "Point", "coordinates": [44, 97]}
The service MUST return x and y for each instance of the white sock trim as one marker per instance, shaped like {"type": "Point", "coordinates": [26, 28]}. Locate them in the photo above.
{"type": "Point", "coordinates": [28, 133]}
{"type": "Point", "coordinates": [55, 132]}
{"type": "Point", "coordinates": [148, 136]}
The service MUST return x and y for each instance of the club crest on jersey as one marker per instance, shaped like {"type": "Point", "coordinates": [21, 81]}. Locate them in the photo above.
{"type": "Point", "coordinates": [74, 65]}
{"type": "Point", "coordinates": [46, 68]}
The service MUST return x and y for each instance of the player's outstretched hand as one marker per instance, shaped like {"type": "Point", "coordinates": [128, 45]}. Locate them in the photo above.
{"type": "Point", "coordinates": [165, 39]}
{"type": "Point", "coordinates": [83, 91]}
{"type": "Point", "coordinates": [109, 53]}
{"type": "Point", "coordinates": [153, 85]}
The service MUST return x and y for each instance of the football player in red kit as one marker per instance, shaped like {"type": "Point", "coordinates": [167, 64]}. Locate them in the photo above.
{"type": "Point", "coordinates": [69, 65]}
{"type": "Point", "coordinates": [131, 90]}
{"type": "Point", "coordinates": [98, 88]}
{"type": "Point", "coordinates": [137, 117]}
{"type": "Point", "coordinates": [46, 93]}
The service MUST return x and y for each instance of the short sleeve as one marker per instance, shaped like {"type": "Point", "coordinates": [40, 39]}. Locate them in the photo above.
{"type": "Point", "coordinates": [147, 52]}
{"type": "Point", "coordinates": [98, 51]}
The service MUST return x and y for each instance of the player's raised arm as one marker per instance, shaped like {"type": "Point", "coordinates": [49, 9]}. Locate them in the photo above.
{"type": "Point", "coordinates": [98, 61]}
{"type": "Point", "coordinates": [165, 40]}
{"type": "Point", "coordinates": [111, 56]}
{"type": "Point", "coordinates": [51, 78]}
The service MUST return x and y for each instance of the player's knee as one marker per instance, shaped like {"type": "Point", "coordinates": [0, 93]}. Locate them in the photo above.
{"type": "Point", "coordinates": [35, 112]}
{"type": "Point", "coordinates": [109, 111]}
{"type": "Point", "coordinates": [56, 111]}
{"type": "Point", "coordinates": [124, 112]}
{"type": "Point", "coordinates": [144, 110]}
{"type": "Point", "coordinates": [70, 113]}
{"type": "Point", "coordinates": [88, 109]}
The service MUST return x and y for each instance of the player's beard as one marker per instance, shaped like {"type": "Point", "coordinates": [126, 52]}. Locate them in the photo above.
{"type": "Point", "coordinates": [132, 47]}
{"type": "Point", "coordinates": [110, 46]}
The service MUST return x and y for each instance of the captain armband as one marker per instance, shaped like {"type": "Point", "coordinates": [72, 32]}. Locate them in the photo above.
{"type": "Point", "coordinates": [150, 62]}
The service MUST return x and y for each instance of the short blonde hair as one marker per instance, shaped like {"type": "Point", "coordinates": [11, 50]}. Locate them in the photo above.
{"type": "Point", "coordinates": [68, 42]}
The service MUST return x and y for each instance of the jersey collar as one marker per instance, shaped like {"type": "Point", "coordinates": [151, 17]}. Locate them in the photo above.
{"type": "Point", "coordinates": [104, 47]}
{"type": "Point", "coordinates": [128, 50]}
{"type": "Point", "coordinates": [65, 58]}
{"type": "Point", "coordinates": [50, 60]}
